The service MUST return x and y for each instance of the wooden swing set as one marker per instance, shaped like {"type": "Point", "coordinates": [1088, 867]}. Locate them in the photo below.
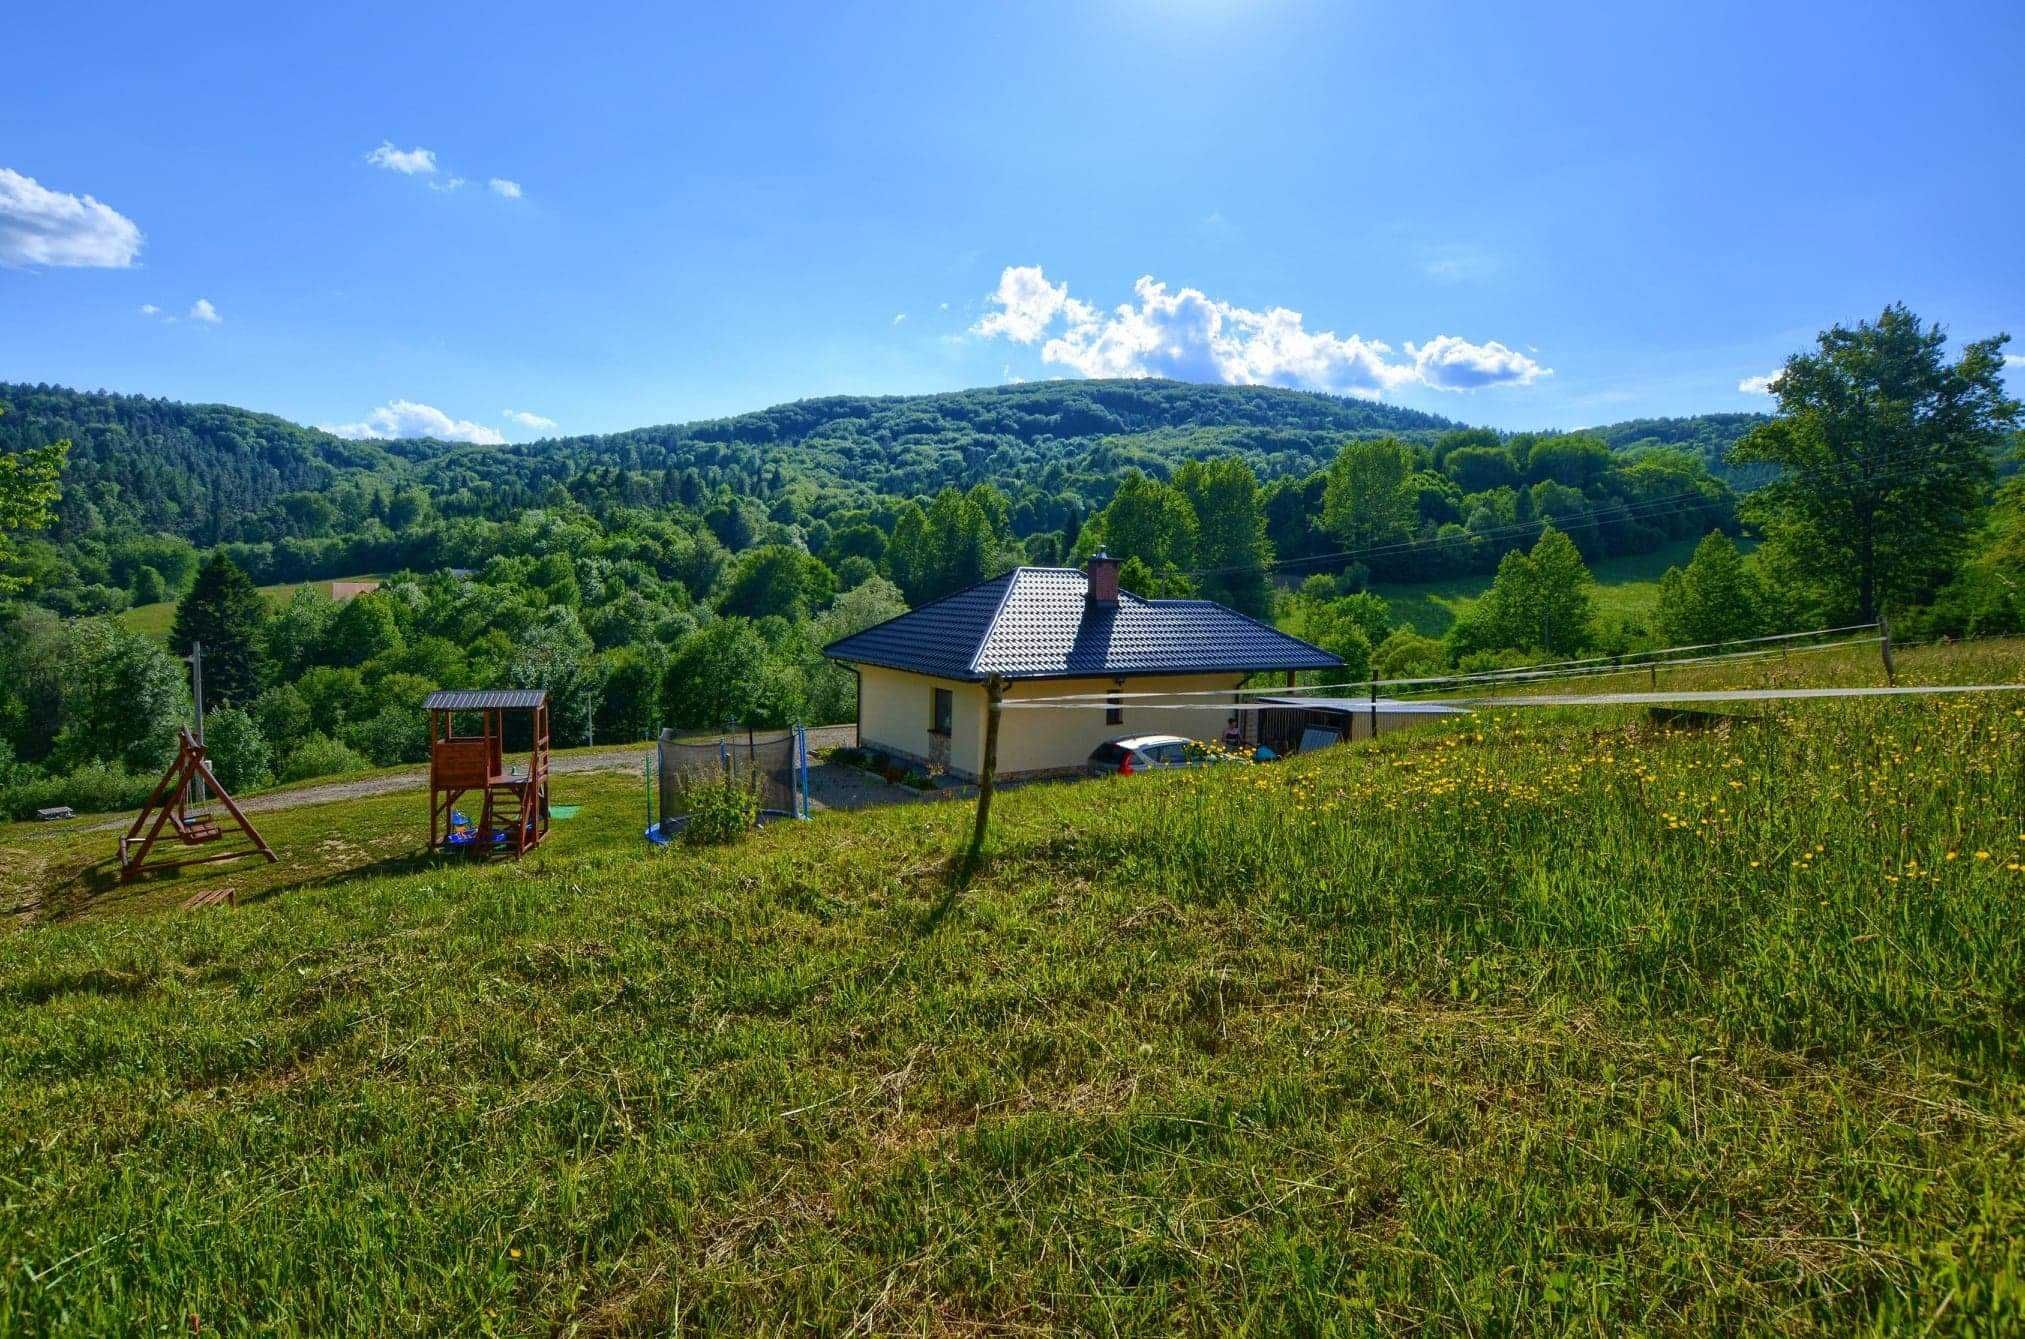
{"type": "Point", "coordinates": [185, 784]}
{"type": "Point", "coordinates": [180, 802]}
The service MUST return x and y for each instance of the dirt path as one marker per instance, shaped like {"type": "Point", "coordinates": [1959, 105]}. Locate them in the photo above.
{"type": "Point", "coordinates": [620, 758]}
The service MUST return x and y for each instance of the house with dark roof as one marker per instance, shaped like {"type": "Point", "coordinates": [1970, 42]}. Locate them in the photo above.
{"type": "Point", "coordinates": [1048, 632]}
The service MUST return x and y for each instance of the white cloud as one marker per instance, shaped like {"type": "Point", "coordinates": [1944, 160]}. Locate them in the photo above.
{"type": "Point", "coordinates": [202, 310]}
{"type": "Point", "coordinates": [1451, 364]}
{"type": "Point", "coordinates": [1027, 304]}
{"type": "Point", "coordinates": [504, 187]}
{"type": "Point", "coordinates": [528, 419]}
{"type": "Point", "coordinates": [2014, 360]}
{"type": "Point", "coordinates": [448, 184]}
{"type": "Point", "coordinates": [898, 317]}
{"type": "Point", "coordinates": [39, 226]}
{"type": "Point", "coordinates": [1189, 336]}
{"type": "Point", "coordinates": [405, 418]}
{"type": "Point", "coordinates": [1759, 385]}
{"type": "Point", "coordinates": [417, 161]}
{"type": "Point", "coordinates": [150, 309]}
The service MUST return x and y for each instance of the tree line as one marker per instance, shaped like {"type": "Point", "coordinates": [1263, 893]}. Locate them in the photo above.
{"type": "Point", "coordinates": [643, 593]}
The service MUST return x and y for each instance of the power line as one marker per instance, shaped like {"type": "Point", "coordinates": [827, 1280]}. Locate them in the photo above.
{"type": "Point", "coordinates": [1741, 695]}
{"type": "Point", "coordinates": [1615, 664]}
{"type": "Point", "coordinates": [1609, 671]}
{"type": "Point", "coordinates": [1593, 699]}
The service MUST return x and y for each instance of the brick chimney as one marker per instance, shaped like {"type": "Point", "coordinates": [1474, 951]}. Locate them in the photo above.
{"type": "Point", "coordinates": [1103, 572]}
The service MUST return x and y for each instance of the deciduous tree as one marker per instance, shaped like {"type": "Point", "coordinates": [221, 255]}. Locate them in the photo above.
{"type": "Point", "coordinates": [1540, 600]}
{"type": "Point", "coordinates": [1367, 503]}
{"type": "Point", "coordinates": [1232, 554]}
{"type": "Point", "coordinates": [30, 482]}
{"type": "Point", "coordinates": [1886, 454]}
{"type": "Point", "coordinates": [1714, 598]}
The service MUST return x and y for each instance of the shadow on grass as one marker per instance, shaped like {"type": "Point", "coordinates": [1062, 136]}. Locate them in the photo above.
{"type": "Point", "coordinates": [97, 886]}
{"type": "Point", "coordinates": [958, 873]}
{"type": "Point", "coordinates": [407, 862]}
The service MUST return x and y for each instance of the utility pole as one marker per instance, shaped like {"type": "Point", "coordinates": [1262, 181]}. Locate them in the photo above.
{"type": "Point", "coordinates": [994, 694]}
{"type": "Point", "coordinates": [196, 659]}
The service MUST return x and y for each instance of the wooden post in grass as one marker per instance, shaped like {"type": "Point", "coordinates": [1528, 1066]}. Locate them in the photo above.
{"type": "Point", "coordinates": [994, 694]}
{"type": "Point", "coordinates": [1890, 668]}
{"type": "Point", "coordinates": [1374, 708]}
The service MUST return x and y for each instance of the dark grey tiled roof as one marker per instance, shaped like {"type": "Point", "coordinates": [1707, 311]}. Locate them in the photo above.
{"type": "Point", "coordinates": [494, 699]}
{"type": "Point", "coordinates": [940, 638]}
{"type": "Point", "coordinates": [1036, 623]}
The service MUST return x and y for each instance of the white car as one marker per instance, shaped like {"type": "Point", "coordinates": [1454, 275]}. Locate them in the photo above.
{"type": "Point", "coordinates": [1141, 753]}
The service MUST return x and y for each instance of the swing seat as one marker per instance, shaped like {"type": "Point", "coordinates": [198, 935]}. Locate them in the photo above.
{"type": "Point", "coordinates": [198, 830]}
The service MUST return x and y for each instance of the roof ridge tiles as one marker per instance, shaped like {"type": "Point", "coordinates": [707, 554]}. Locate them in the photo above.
{"type": "Point", "coordinates": [991, 624]}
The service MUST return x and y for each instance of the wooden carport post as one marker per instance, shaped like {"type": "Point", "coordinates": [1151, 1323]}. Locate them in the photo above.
{"type": "Point", "coordinates": [994, 694]}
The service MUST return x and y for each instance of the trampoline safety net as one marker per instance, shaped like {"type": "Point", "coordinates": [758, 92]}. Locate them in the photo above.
{"type": "Point", "coordinates": [772, 762]}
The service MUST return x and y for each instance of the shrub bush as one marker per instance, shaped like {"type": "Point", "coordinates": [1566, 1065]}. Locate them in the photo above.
{"type": "Point", "coordinates": [95, 788]}
{"type": "Point", "coordinates": [320, 755]}
{"type": "Point", "coordinates": [238, 751]}
{"type": "Point", "coordinates": [719, 812]}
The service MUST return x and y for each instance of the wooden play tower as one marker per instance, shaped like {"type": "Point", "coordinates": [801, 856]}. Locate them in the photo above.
{"type": "Point", "coordinates": [463, 760]}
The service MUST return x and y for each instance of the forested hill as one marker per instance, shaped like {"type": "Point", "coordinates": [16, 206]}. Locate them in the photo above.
{"type": "Point", "coordinates": [1709, 436]}
{"type": "Point", "coordinates": [209, 472]}
{"type": "Point", "coordinates": [159, 465]}
{"type": "Point", "coordinates": [198, 470]}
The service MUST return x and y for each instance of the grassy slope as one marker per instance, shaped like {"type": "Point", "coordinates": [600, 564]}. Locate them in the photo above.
{"type": "Point", "coordinates": [1515, 1024]}
{"type": "Point", "coordinates": [1626, 590]}
{"type": "Point", "coordinates": [155, 620]}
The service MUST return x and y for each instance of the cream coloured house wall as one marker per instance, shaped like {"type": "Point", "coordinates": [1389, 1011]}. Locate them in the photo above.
{"type": "Point", "coordinates": [1047, 739]}
{"type": "Point", "coordinates": [896, 709]}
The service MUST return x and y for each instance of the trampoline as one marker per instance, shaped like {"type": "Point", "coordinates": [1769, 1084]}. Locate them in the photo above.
{"type": "Point", "coordinates": [774, 762]}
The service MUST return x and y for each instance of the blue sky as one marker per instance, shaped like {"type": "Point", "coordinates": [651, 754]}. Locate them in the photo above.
{"type": "Point", "coordinates": [1505, 215]}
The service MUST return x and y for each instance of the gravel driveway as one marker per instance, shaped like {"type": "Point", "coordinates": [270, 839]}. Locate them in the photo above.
{"type": "Point", "coordinates": [825, 792]}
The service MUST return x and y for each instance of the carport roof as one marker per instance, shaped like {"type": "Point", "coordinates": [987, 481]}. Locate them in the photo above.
{"type": "Point", "coordinates": [1039, 623]}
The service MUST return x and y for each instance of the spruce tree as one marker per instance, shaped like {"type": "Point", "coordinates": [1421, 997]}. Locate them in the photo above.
{"type": "Point", "coordinates": [224, 611]}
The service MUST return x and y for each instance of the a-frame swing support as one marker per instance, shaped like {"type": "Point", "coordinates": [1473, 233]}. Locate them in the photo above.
{"type": "Point", "coordinates": [167, 805]}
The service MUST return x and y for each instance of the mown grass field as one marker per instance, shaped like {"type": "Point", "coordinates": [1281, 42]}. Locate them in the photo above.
{"type": "Point", "coordinates": [1516, 1024]}
{"type": "Point", "coordinates": [155, 620]}
{"type": "Point", "coordinates": [1627, 589]}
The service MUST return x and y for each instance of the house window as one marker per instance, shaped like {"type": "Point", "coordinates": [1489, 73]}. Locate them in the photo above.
{"type": "Point", "coordinates": [1114, 711]}
{"type": "Point", "coordinates": [943, 718]}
